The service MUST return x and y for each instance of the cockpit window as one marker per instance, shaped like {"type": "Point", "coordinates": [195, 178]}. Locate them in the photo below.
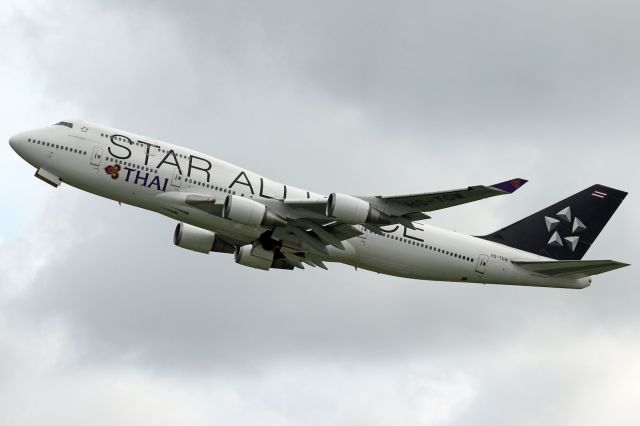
{"type": "Point", "coordinates": [64, 123]}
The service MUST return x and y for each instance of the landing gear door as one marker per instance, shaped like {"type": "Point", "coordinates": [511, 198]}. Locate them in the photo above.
{"type": "Point", "coordinates": [481, 266]}
{"type": "Point", "coordinates": [176, 180]}
{"type": "Point", "coordinates": [96, 156]}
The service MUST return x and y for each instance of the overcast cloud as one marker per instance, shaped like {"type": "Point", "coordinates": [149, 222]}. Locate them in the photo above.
{"type": "Point", "coordinates": [103, 321]}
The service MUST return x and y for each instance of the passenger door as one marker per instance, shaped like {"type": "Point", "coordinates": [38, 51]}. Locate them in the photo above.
{"type": "Point", "coordinates": [481, 266]}
{"type": "Point", "coordinates": [96, 156]}
{"type": "Point", "coordinates": [176, 180]}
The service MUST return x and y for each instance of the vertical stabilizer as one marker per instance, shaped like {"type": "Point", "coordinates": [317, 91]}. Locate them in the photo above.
{"type": "Point", "coordinates": [565, 230]}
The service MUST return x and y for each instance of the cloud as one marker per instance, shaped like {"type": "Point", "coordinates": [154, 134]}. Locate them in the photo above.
{"type": "Point", "coordinates": [100, 313]}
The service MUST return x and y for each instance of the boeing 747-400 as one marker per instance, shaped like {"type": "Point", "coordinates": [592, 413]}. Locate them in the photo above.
{"type": "Point", "coordinates": [266, 225]}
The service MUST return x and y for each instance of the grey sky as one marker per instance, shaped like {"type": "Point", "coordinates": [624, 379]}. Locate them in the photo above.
{"type": "Point", "coordinates": [103, 320]}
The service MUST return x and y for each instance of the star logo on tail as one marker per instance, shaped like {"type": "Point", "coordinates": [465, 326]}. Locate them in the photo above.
{"type": "Point", "coordinates": [574, 224]}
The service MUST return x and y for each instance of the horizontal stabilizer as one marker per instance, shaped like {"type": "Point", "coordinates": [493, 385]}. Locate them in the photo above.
{"type": "Point", "coordinates": [570, 268]}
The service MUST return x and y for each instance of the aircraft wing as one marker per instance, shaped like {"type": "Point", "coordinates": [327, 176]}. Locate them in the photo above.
{"type": "Point", "coordinates": [309, 230]}
{"type": "Point", "coordinates": [406, 207]}
{"type": "Point", "coordinates": [312, 231]}
{"type": "Point", "coordinates": [411, 207]}
{"type": "Point", "coordinates": [402, 205]}
{"type": "Point", "coordinates": [305, 240]}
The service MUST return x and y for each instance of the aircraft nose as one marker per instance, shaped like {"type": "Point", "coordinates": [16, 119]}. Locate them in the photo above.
{"type": "Point", "coordinates": [17, 142]}
{"type": "Point", "coordinates": [13, 142]}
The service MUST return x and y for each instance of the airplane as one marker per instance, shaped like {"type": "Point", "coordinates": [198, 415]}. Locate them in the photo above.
{"type": "Point", "coordinates": [223, 208]}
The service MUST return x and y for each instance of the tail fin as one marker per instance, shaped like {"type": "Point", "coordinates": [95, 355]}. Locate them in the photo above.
{"type": "Point", "coordinates": [565, 230]}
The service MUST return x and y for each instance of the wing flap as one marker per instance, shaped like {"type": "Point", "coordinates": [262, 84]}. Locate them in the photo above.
{"type": "Point", "coordinates": [570, 268]}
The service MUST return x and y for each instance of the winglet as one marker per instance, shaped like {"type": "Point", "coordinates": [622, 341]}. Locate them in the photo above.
{"type": "Point", "coordinates": [510, 186]}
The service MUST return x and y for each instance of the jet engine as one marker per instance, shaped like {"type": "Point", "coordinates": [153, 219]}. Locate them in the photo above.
{"type": "Point", "coordinates": [354, 211]}
{"type": "Point", "coordinates": [254, 257]}
{"type": "Point", "coordinates": [249, 212]}
{"type": "Point", "coordinates": [201, 240]}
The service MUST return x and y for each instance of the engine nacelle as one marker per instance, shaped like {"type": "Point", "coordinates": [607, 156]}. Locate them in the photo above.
{"type": "Point", "coordinates": [201, 240]}
{"type": "Point", "coordinates": [353, 210]}
{"type": "Point", "coordinates": [254, 257]}
{"type": "Point", "coordinates": [249, 212]}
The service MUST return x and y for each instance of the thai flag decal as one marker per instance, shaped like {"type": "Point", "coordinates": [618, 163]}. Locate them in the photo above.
{"type": "Point", "coordinates": [599, 194]}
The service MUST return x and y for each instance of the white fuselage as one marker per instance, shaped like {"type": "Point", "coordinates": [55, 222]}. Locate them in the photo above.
{"type": "Point", "coordinates": [157, 176]}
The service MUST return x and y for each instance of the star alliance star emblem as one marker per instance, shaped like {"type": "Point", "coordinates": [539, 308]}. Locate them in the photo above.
{"type": "Point", "coordinates": [552, 223]}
